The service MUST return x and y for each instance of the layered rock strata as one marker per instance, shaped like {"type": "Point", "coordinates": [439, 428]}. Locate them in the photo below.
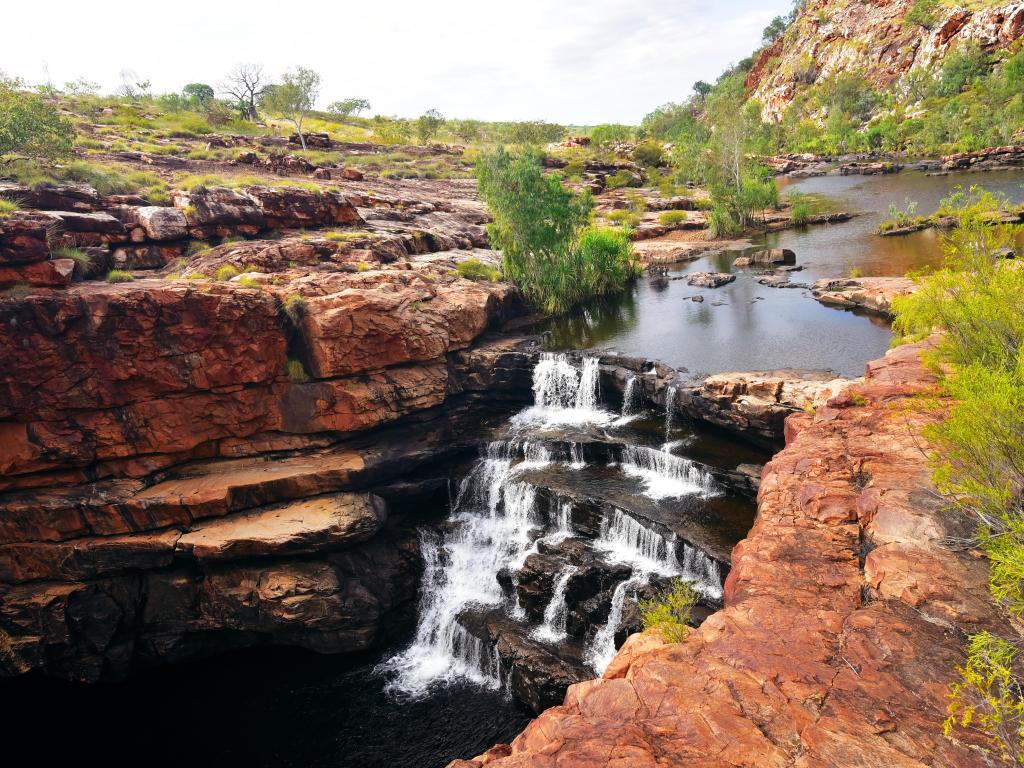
{"type": "Point", "coordinates": [845, 616]}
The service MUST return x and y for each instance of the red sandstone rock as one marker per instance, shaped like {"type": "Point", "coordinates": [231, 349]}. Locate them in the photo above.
{"type": "Point", "coordinates": [23, 237]}
{"type": "Point", "coordinates": [871, 293]}
{"type": "Point", "coordinates": [49, 274]}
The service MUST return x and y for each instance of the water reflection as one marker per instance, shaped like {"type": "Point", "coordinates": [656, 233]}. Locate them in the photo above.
{"type": "Point", "coordinates": [748, 326]}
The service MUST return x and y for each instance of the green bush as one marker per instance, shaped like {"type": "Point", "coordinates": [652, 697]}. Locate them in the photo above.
{"type": "Point", "coordinates": [603, 135]}
{"type": "Point", "coordinates": [294, 306]}
{"type": "Point", "coordinates": [82, 259]}
{"type": "Point", "coordinates": [226, 273]}
{"type": "Point", "coordinates": [31, 127]}
{"type": "Point", "coordinates": [649, 153]}
{"type": "Point", "coordinates": [669, 613]}
{"type": "Point", "coordinates": [923, 13]}
{"type": "Point", "coordinates": [119, 276]}
{"type": "Point", "coordinates": [961, 67]}
{"type": "Point", "coordinates": [541, 228]}
{"type": "Point", "coordinates": [474, 269]}
{"type": "Point", "coordinates": [7, 207]}
{"type": "Point", "coordinates": [296, 371]}
{"type": "Point", "coordinates": [621, 179]}
{"type": "Point", "coordinates": [672, 218]}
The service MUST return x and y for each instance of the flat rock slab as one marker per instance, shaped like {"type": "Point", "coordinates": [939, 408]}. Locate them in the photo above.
{"type": "Point", "coordinates": [310, 525]}
{"type": "Point", "coordinates": [710, 279]}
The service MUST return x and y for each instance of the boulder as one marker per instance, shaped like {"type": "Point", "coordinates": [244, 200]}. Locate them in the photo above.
{"type": "Point", "coordinates": [710, 279]}
{"type": "Point", "coordinates": [162, 223]}
{"type": "Point", "coordinates": [23, 238]}
{"type": "Point", "coordinates": [56, 273]}
{"type": "Point", "coordinates": [351, 174]}
{"type": "Point", "coordinates": [219, 212]}
{"type": "Point", "coordinates": [291, 208]}
{"type": "Point", "coordinates": [773, 256]}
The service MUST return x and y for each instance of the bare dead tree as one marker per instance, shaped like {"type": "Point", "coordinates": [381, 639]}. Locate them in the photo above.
{"type": "Point", "coordinates": [244, 84]}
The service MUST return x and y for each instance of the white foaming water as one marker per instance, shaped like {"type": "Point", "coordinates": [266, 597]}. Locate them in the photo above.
{"type": "Point", "coordinates": [624, 540]}
{"type": "Point", "coordinates": [563, 524]}
{"type": "Point", "coordinates": [703, 572]}
{"type": "Point", "coordinates": [535, 455]}
{"type": "Point", "coordinates": [602, 648]}
{"type": "Point", "coordinates": [630, 404]}
{"type": "Point", "coordinates": [670, 409]}
{"type": "Point", "coordinates": [493, 518]}
{"type": "Point", "coordinates": [576, 460]}
{"type": "Point", "coordinates": [664, 475]}
{"type": "Point", "coordinates": [563, 395]}
{"type": "Point", "coordinates": [557, 611]}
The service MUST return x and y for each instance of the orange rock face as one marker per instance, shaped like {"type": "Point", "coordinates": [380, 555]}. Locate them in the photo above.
{"type": "Point", "coordinates": [843, 623]}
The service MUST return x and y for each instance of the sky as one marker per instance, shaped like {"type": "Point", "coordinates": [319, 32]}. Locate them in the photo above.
{"type": "Point", "coordinates": [576, 62]}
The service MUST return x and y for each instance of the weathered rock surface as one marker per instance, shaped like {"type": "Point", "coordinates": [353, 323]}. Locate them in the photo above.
{"type": "Point", "coordinates": [874, 294]}
{"type": "Point", "coordinates": [822, 656]}
{"type": "Point", "coordinates": [710, 279]}
{"type": "Point", "coordinates": [23, 238]}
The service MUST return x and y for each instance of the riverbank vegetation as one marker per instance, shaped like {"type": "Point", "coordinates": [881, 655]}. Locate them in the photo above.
{"type": "Point", "coordinates": [551, 250]}
{"type": "Point", "coordinates": [670, 612]}
{"type": "Point", "coordinates": [979, 462]}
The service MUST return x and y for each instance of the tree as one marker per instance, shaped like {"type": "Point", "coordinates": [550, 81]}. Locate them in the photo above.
{"type": "Point", "coordinates": [428, 125]}
{"type": "Point", "coordinates": [467, 130]}
{"type": "Point", "coordinates": [198, 93]}
{"type": "Point", "coordinates": [348, 107]}
{"type": "Point", "coordinates": [702, 88]}
{"type": "Point", "coordinates": [132, 86]}
{"type": "Point", "coordinates": [245, 85]}
{"type": "Point", "coordinates": [775, 29]}
{"type": "Point", "coordinates": [294, 96]}
{"type": "Point", "coordinates": [30, 127]}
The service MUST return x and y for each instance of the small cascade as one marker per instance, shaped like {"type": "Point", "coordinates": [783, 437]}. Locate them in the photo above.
{"type": "Point", "coordinates": [624, 540]}
{"type": "Point", "coordinates": [630, 404]}
{"type": "Point", "coordinates": [563, 524]}
{"type": "Point", "coordinates": [535, 455]}
{"type": "Point", "coordinates": [576, 460]}
{"type": "Point", "coordinates": [703, 572]}
{"type": "Point", "coordinates": [602, 648]}
{"type": "Point", "coordinates": [564, 395]}
{"type": "Point", "coordinates": [557, 611]}
{"type": "Point", "coordinates": [664, 475]}
{"type": "Point", "coordinates": [670, 410]}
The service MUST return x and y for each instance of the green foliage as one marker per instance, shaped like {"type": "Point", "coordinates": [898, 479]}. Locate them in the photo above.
{"type": "Point", "coordinates": [474, 269]}
{"type": "Point", "coordinates": [672, 218]}
{"type": "Point", "coordinates": [249, 282]}
{"type": "Point", "coordinates": [775, 30]}
{"type": "Point", "coordinates": [669, 613]}
{"type": "Point", "coordinates": [198, 93]}
{"type": "Point", "coordinates": [7, 207]}
{"type": "Point", "coordinates": [294, 97]}
{"type": "Point", "coordinates": [649, 153]}
{"type": "Point", "coordinates": [468, 131]}
{"type": "Point", "coordinates": [923, 13]}
{"type": "Point", "coordinates": [603, 135]}
{"type": "Point", "coordinates": [622, 179]}
{"type": "Point", "coordinates": [119, 276]}
{"type": "Point", "coordinates": [226, 272]}
{"type": "Point", "coordinates": [428, 125]}
{"type": "Point", "coordinates": [31, 127]}
{"type": "Point", "coordinates": [296, 371]}
{"type": "Point", "coordinates": [669, 121]}
{"type": "Point", "coordinates": [387, 130]}
{"type": "Point", "coordinates": [294, 306]}
{"type": "Point", "coordinates": [348, 107]}
{"type": "Point", "coordinates": [988, 697]}
{"type": "Point", "coordinates": [82, 259]}
{"type": "Point", "coordinates": [541, 227]}
{"type": "Point", "coordinates": [961, 67]}
{"type": "Point", "coordinates": [800, 214]}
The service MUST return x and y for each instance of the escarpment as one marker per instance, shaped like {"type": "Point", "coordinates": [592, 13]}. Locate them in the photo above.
{"type": "Point", "coordinates": [234, 447]}
{"type": "Point", "coordinates": [845, 610]}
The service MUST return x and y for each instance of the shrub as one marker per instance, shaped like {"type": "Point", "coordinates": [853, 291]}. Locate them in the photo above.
{"type": "Point", "coordinates": [610, 134]}
{"type": "Point", "coordinates": [226, 273]}
{"type": "Point", "coordinates": [962, 67]}
{"type": "Point", "coordinates": [541, 227]}
{"type": "Point", "coordinates": [248, 282]}
{"type": "Point", "coordinates": [800, 214]}
{"type": "Point", "coordinates": [294, 306]}
{"type": "Point", "coordinates": [474, 269]}
{"type": "Point", "coordinates": [669, 613]}
{"type": "Point", "coordinates": [82, 259]}
{"type": "Point", "coordinates": [924, 13]}
{"type": "Point", "coordinates": [650, 153]}
{"type": "Point", "coordinates": [119, 276]}
{"type": "Point", "coordinates": [7, 207]}
{"type": "Point", "coordinates": [622, 178]}
{"type": "Point", "coordinates": [624, 217]}
{"type": "Point", "coordinates": [988, 697]}
{"type": "Point", "coordinates": [30, 126]}
{"type": "Point", "coordinates": [672, 218]}
{"type": "Point", "coordinates": [296, 370]}
{"type": "Point", "coordinates": [362, 266]}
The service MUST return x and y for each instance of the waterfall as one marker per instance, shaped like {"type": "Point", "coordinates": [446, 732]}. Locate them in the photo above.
{"type": "Point", "coordinates": [576, 460]}
{"type": "Point", "coordinates": [670, 409]}
{"type": "Point", "coordinates": [563, 524]}
{"type": "Point", "coordinates": [624, 540]}
{"type": "Point", "coordinates": [535, 455]}
{"type": "Point", "coordinates": [703, 572]}
{"type": "Point", "coordinates": [564, 395]}
{"type": "Point", "coordinates": [493, 519]}
{"type": "Point", "coordinates": [664, 475]}
{"type": "Point", "coordinates": [557, 611]}
{"type": "Point", "coordinates": [629, 397]}
{"type": "Point", "coordinates": [602, 648]}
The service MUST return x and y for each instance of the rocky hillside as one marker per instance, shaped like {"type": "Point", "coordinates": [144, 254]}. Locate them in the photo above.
{"type": "Point", "coordinates": [875, 38]}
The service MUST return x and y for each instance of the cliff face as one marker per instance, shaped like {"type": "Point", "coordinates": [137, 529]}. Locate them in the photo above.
{"type": "Point", "coordinates": [189, 464]}
{"type": "Point", "coordinates": [845, 616]}
{"type": "Point", "coordinates": [834, 36]}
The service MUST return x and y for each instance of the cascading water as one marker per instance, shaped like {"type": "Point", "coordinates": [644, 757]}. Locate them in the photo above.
{"type": "Point", "coordinates": [624, 540]}
{"type": "Point", "coordinates": [670, 409]}
{"type": "Point", "coordinates": [602, 648]}
{"type": "Point", "coordinates": [564, 395]}
{"type": "Point", "coordinates": [630, 404]}
{"type": "Point", "coordinates": [664, 475]}
{"type": "Point", "coordinates": [576, 460]}
{"type": "Point", "coordinates": [703, 572]}
{"type": "Point", "coordinates": [557, 611]}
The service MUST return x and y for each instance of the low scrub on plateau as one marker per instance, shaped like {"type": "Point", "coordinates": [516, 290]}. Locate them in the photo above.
{"type": "Point", "coordinates": [551, 252]}
{"type": "Point", "coordinates": [669, 612]}
{"type": "Point", "coordinates": [979, 462]}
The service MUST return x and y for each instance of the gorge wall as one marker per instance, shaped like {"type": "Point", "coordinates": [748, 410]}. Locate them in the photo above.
{"type": "Point", "coordinates": [845, 616]}
{"type": "Point", "coordinates": [834, 36]}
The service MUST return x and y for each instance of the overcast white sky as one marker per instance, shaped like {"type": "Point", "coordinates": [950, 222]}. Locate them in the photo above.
{"type": "Point", "coordinates": [568, 61]}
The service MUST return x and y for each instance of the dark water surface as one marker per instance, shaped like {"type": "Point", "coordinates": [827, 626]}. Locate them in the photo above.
{"type": "Point", "coordinates": [269, 708]}
{"type": "Point", "coordinates": [745, 326]}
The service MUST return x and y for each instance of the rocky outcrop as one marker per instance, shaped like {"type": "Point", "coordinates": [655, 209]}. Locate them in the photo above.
{"type": "Point", "coordinates": [845, 617]}
{"type": "Point", "coordinates": [873, 294]}
{"type": "Point", "coordinates": [834, 36]}
{"type": "Point", "coordinates": [993, 158]}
